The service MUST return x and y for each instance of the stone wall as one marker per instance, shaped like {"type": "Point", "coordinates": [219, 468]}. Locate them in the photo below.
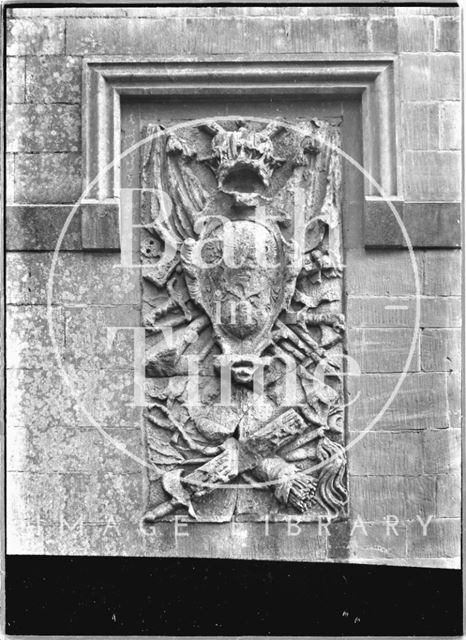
{"type": "Point", "coordinates": [59, 465]}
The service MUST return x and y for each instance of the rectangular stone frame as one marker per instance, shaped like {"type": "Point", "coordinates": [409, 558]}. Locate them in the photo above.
{"type": "Point", "coordinates": [373, 77]}
{"type": "Point", "coordinates": [106, 79]}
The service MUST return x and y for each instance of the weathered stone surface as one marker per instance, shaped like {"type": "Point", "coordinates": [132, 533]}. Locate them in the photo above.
{"type": "Point", "coordinates": [382, 228]}
{"type": "Point", "coordinates": [383, 350]}
{"type": "Point", "coordinates": [23, 537]}
{"type": "Point", "coordinates": [91, 498]}
{"type": "Point", "coordinates": [222, 35]}
{"type": "Point", "coordinates": [36, 36]}
{"type": "Point", "coordinates": [46, 128]}
{"type": "Point", "coordinates": [57, 449]}
{"type": "Point", "coordinates": [441, 350]}
{"type": "Point", "coordinates": [244, 540]}
{"type": "Point", "coordinates": [28, 339]}
{"type": "Point", "coordinates": [89, 340]}
{"type": "Point", "coordinates": [441, 312]}
{"type": "Point", "coordinates": [445, 76]}
{"type": "Point", "coordinates": [383, 311]}
{"type": "Point", "coordinates": [422, 402]}
{"type": "Point", "coordinates": [383, 34]}
{"type": "Point", "coordinates": [376, 540]}
{"type": "Point", "coordinates": [449, 494]}
{"type": "Point", "coordinates": [450, 125]}
{"type": "Point", "coordinates": [107, 397]}
{"type": "Point", "coordinates": [100, 226]}
{"type": "Point", "coordinates": [47, 178]}
{"type": "Point", "coordinates": [427, 224]}
{"type": "Point", "coordinates": [23, 534]}
{"type": "Point", "coordinates": [103, 397]}
{"type": "Point", "coordinates": [433, 175]}
{"type": "Point", "coordinates": [122, 36]}
{"type": "Point", "coordinates": [114, 495]}
{"type": "Point", "coordinates": [123, 454]}
{"type": "Point", "coordinates": [37, 228]}
{"type": "Point", "coordinates": [442, 273]}
{"type": "Point", "coordinates": [415, 77]}
{"type": "Point", "coordinates": [420, 497]}
{"type": "Point", "coordinates": [433, 224]}
{"type": "Point", "coordinates": [53, 79]}
{"type": "Point", "coordinates": [205, 11]}
{"type": "Point", "coordinates": [71, 12]}
{"type": "Point", "coordinates": [329, 35]}
{"type": "Point", "coordinates": [381, 273]}
{"type": "Point", "coordinates": [441, 450]}
{"type": "Point", "coordinates": [38, 498]}
{"type": "Point", "coordinates": [70, 537]}
{"type": "Point", "coordinates": [415, 33]}
{"type": "Point", "coordinates": [443, 10]}
{"type": "Point", "coordinates": [442, 539]}
{"type": "Point", "coordinates": [420, 123]}
{"type": "Point", "coordinates": [375, 497]}
{"type": "Point", "coordinates": [216, 35]}
{"type": "Point", "coordinates": [10, 177]}
{"type": "Point", "coordinates": [88, 332]}
{"type": "Point", "coordinates": [390, 454]}
{"type": "Point", "coordinates": [250, 506]}
{"type": "Point", "coordinates": [43, 404]}
{"type": "Point", "coordinates": [447, 34]}
{"type": "Point", "coordinates": [454, 398]}
{"type": "Point", "coordinates": [113, 538]}
{"type": "Point", "coordinates": [338, 540]}
{"type": "Point", "coordinates": [401, 312]}
{"type": "Point", "coordinates": [79, 279]}
{"type": "Point", "coordinates": [15, 79]}
{"type": "Point", "coordinates": [430, 77]}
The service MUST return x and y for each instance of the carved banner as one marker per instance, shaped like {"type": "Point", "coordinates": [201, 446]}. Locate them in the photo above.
{"type": "Point", "coordinates": [242, 284]}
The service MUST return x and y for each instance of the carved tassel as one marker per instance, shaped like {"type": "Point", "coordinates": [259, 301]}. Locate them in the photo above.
{"type": "Point", "coordinates": [294, 488]}
{"type": "Point", "coordinates": [331, 492]}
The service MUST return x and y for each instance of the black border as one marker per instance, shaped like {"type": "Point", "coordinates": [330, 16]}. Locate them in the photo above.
{"type": "Point", "coordinates": [149, 596]}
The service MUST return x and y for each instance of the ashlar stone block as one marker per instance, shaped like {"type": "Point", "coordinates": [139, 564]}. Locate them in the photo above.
{"type": "Point", "coordinates": [53, 178]}
{"type": "Point", "coordinates": [43, 128]}
{"type": "Point", "coordinates": [35, 36]}
{"type": "Point", "coordinates": [53, 79]}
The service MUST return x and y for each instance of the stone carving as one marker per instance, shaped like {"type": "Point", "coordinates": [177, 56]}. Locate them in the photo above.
{"type": "Point", "coordinates": [242, 288]}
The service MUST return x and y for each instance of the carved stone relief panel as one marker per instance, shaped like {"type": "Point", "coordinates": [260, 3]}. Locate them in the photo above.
{"type": "Point", "coordinates": [242, 290]}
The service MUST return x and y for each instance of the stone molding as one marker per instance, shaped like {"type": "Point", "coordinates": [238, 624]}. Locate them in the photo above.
{"type": "Point", "coordinates": [371, 76]}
